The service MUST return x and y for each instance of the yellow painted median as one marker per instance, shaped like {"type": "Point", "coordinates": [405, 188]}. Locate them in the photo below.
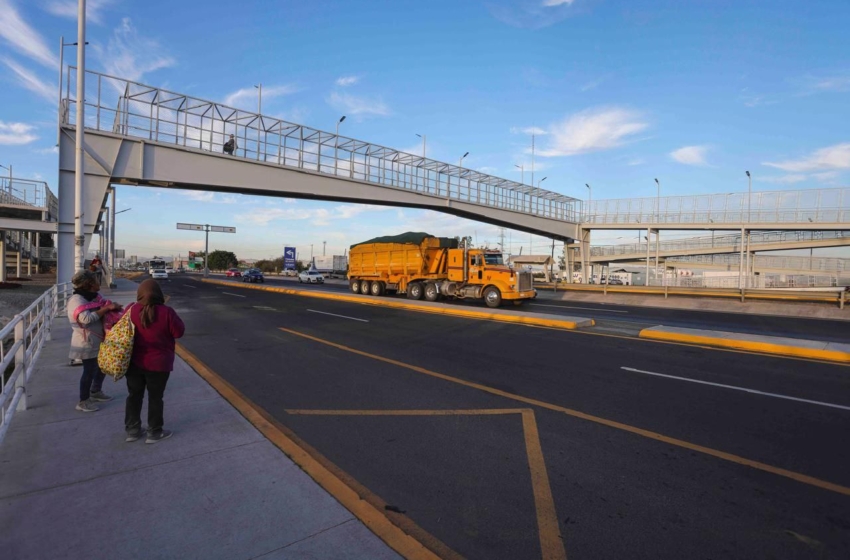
{"type": "Point", "coordinates": [793, 347]}
{"type": "Point", "coordinates": [503, 316]}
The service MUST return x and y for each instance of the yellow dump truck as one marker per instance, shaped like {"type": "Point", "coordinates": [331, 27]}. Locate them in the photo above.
{"type": "Point", "coordinates": [420, 265]}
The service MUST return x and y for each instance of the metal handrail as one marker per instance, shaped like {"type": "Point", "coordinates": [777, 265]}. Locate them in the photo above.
{"type": "Point", "coordinates": [25, 192]}
{"type": "Point", "coordinates": [132, 109]}
{"type": "Point", "coordinates": [21, 342]}
{"type": "Point", "coordinates": [800, 206]}
{"type": "Point", "coordinates": [726, 241]}
{"type": "Point", "coordinates": [817, 264]}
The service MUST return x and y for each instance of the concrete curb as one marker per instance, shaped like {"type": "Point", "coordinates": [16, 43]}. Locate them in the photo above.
{"type": "Point", "coordinates": [503, 316]}
{"type": "Point", "coordinates": [799, 348]}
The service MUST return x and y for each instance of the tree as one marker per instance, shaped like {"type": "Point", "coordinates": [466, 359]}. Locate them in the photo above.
{"type": "Point", "coordinates": [221, 260]}
{"type": "Point", "coordinates": [267, 265]}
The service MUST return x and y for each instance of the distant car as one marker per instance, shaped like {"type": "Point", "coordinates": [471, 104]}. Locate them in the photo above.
{"type": "Point", "coordinates": [311, 277]}
{"type": "Point", "coordinates": [253, 275]}
{"type": "Point", "coordinates": [615, 282]}
{"type": "Point", "coordinates": [159, 274]}
{"type": "Point", "coordinates": [233, 272]}
{"type": "Point", "coordinates": [169, 270]}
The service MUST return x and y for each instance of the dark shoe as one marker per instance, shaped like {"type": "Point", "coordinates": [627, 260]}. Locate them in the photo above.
{"type": "Point", "coordinates": [100, 396]}
{"type": "Point", "coordinates": [158, 436]}
{"type": "Point", "coordinates": [87, 406]}
{"type": "Point", "coordinates": [133, 436]}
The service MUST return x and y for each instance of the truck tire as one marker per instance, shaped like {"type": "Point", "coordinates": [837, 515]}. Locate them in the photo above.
{"type": "Point", "coordinates": [431, 292]}
{"type": "Point", "coordinates": [355, 286]}
{"type": "Point", "coordinates": [377, 289]}
{"type": "Point", "coordinates": [364, 287]}
{"type": "Point", "coordinates": [414, 291]}
{"type": "Point", "coordinates": [492, 297]}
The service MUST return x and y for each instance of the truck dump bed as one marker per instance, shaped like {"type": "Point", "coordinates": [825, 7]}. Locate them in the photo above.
{"type": "Point", "coordinates": [411, 255]}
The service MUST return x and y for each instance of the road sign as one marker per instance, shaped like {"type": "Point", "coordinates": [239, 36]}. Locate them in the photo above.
{"type": "Point", "coordinates": [223, 229]}
{"type": "Point", "coordinates": [195, 227]}
{"type": "Point", "coordinates": [119, 253]}
{"type": "Point", "coordinates": [289, 258]}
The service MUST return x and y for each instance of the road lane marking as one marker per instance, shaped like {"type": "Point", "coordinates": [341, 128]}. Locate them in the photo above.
{"type": "Point", "coordinates": [799, 477]}
{"type": "Point", "coordinates": [357, 499]}
{"type": "Point", "coordinates": [264, 308]}
{"type": "Point", "coordinates": [190, 286]}
{"type": "Point", "coordinates": [551, 540]}
{"type": "Point", "coordinates": [236, 295]}
{"type": "Point", "coordinates": [744, 389]}
{"type": "Point", "coordinates": [572, 307]}
{"type": "Point", "coordinates": [335, 315]}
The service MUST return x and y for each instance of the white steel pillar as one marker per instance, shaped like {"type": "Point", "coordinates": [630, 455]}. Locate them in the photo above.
{"type": "Point", "coordinates": [79, 168]}
{"type": "Point", "coordinates": [112, 241]}
{"type": "Point", "coordinates": [2, 256]}
{"type": "Point", "coordinates": [648, 237]}
{"type": "Point", "coordinates": [741, 264]}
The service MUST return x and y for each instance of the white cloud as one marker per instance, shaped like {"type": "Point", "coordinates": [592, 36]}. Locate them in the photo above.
{"type": "Point", "coordinates": [209, 196]}
{"type": "Point", "coordinates": [31, 82]}
{"type": "Point", "coordinates": [16, 134]}
{"type": "Point", "coordinates": [245, 96]}
{"type": "Point", "coordinates": [550, 3]}
{"type": "Point", "coordinates": [68, 9]}
{"type": "Point", "coordinates": [835, 82]}
{"type": "Point", "coordinates": [48, 151]}
{"type": "Point", "coordinates": [130, 55]}
{"type": "Point", "coordinates": [316, 216]}
{"type": "Point", "coordinates": [531, 14]}
{"type": "Point", "coordinates": [636, 161]}
{"type": "Point", "coordinates": [593, 130]}
{"type": "Point", "coordinates": [826, 176]}
{"type": "Point", "coordinates": [825, 159]}
{"type": "Point", "coordinates": [690, 155]}
{"type": "Point", "coordinates": [345, 81]}
{"type": "Point", "coordinates": [358, 106]}
{"type": "Point", "coordinates": [23, 38]}
{"type": "Point", "coordinates": [783, 179]}
{"type": "Point", "coordinates": [528, 130]}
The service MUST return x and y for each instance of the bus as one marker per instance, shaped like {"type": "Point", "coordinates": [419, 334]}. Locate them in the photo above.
{"type": "Point", "coordinates": [156, 264]}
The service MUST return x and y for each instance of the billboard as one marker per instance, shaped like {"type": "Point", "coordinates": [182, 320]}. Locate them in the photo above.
{"type": "Point", "coordinates": [289, 258]}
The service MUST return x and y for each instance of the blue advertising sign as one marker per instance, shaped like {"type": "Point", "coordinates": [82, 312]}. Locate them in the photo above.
{"type": "Point", "coordinates": [289, 258]}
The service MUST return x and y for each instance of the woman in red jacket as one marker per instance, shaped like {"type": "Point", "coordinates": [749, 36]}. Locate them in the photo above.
{"type": "Point", "coordinates": [157, 325]}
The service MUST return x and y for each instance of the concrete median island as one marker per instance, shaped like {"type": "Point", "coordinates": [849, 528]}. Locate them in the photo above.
{"type": "Point", "coordinates": [791, 347]}
{"type": "Point", "coordinates": [501, 315]}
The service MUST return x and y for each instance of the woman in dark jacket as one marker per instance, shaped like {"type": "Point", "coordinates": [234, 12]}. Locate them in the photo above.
{"type": "Point", "coordinates": [157, 326]}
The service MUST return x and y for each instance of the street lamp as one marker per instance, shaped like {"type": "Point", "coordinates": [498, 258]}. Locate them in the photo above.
{"type": "Point", "coordinates": [658, 202]}
{"type": "Point", "coordinates": [423, 137]}
{"type": "Point", "coordinates": [460, 162]}
{"type": "Point", "coordinates": [589, 197]}
{"type": "Point", "coordinates": [522, 172]}
{"type": "Point", "coordinates": [749, 195]}
{"type": "Point", "coordinates": [336, 144]}
{"type": "Point", "coordinates": [259, 98]}
{"type": "Point", "coordinates": [62, 45]}
{"type": "Point", "coordinates": [540, 181]}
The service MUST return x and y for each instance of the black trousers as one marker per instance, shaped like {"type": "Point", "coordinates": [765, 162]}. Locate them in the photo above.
{"type": "Point", "coordinates": [137, 380]}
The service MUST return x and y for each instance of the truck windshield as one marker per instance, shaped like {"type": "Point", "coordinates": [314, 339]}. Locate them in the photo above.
{"type": "Point", "coordinates": [494, 259]}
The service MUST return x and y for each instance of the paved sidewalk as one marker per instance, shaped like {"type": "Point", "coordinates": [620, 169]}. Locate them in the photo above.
{"type": "Point", "coordinates": [70, 487]}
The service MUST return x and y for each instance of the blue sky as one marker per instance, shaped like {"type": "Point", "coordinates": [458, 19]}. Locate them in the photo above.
{"type": "Point", "coordinates": [619, 92]}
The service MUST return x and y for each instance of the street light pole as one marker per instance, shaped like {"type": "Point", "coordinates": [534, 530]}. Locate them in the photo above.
{"type": "Point", "coordinates": [460, 162]}
{"type": "Point", "coordinates": [336, 145]}
{"type": "Point", "coordinates": [658, 202]}
{"type": "Point", "coordinates": [259, 98]}
{"type": "Point", "coordinates": [522, 173]}
{"type": "Point", "coordinates": [540, 181]}
{"type": "Point", "coordinates": [79, 163]}
{"type": "Point", "coordinates": [589, 198]}
{"type": "Point", "coordinates": [749, 195]}
{"type": "Point", "coordinates": [422, 136]}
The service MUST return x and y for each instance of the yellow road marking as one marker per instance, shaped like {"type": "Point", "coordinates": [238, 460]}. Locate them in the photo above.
{"type": "Point", "coordinates": [799, 477]}
{"type": "Point", "coordinates": [440, 310]}
{"type": "Point", "coordinates": [376, 520]}
{"type": "Point", "coordinates": [551, 542]}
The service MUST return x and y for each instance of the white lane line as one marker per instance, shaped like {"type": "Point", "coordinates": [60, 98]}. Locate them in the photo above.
{"type": "Point", "coordinates": [744, 389]}
{"type": "Point", "coordinates": [335, 315]}
{"type": "Point", "coordinates": [236, 295]}
{"type": "Point", "coordinates": [571, 307]}
{"type": "Point", "coordinates": [190, 286]}
{"type": "Point", "coordinates": [263, 308]}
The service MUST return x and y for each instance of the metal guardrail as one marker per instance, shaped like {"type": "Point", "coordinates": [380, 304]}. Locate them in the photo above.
{"type": "Point", "coordinates": [802, 206]}
{"type": "Point", "coordinates": [132, 109]}
{"type": "Point", "coordinates": [725, 242]}
{"type": "Point", "coordinates": [21, 342]}
{"type": "Point", "coordinates": [28, 193]}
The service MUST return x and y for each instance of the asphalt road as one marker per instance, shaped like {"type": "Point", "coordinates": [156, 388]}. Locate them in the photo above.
{"type": "Point", "coordinates": [426, 412]}
{"type": "Point", "coordinates": [632, 318]}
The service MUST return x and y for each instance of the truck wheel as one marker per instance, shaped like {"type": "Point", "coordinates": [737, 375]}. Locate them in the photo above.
{"type": "Point", "coordinates": [492, 297]}
{"type": "Point", "coordinates": [364, 287]}
{"type": "Point", "coordinates": [414, 291]}
{"type": "Point", "coordinates": [518, 302]}
{"type": "Point", "coordinates": [431, 292]}
{"type": "Point", "coordinates": [377, 289]}
{"type": "Point", "coordinates": [355, 286]}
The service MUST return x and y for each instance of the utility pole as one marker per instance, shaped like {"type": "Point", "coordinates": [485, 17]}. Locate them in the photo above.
{"type": "Point", "coordinates": [324, 244]}
{"type": "Point", "coordinates": [502, 239]}
{"type": "Point", "coordinates": [79, 163]}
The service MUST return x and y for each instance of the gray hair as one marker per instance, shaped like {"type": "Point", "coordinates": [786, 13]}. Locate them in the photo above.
{"type": "Point", "coordinates": [82, 278]}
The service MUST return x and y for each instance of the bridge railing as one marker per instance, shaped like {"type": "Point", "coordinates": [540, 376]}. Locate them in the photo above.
{"type": "Point", "coordinates": [21, 341]}
{"type": "Point", "coordinates": [725, 241]}
{"type": "Point", "coordinates": [133, 109]}
{"type": "Point", "coordinates": [25, 193]}
{"type": "Point", "coordinates": [802, 206]}
{"type": "Point", "coordinates": [797, 263]}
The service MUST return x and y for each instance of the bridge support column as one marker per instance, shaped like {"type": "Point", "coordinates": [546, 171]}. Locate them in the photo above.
{"type": "Point", "coordinates": [648, 238]}
{"type": "Point", "coordinates": [3, 256]}
{"type": "Point", "coordinates": [584, 248]}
